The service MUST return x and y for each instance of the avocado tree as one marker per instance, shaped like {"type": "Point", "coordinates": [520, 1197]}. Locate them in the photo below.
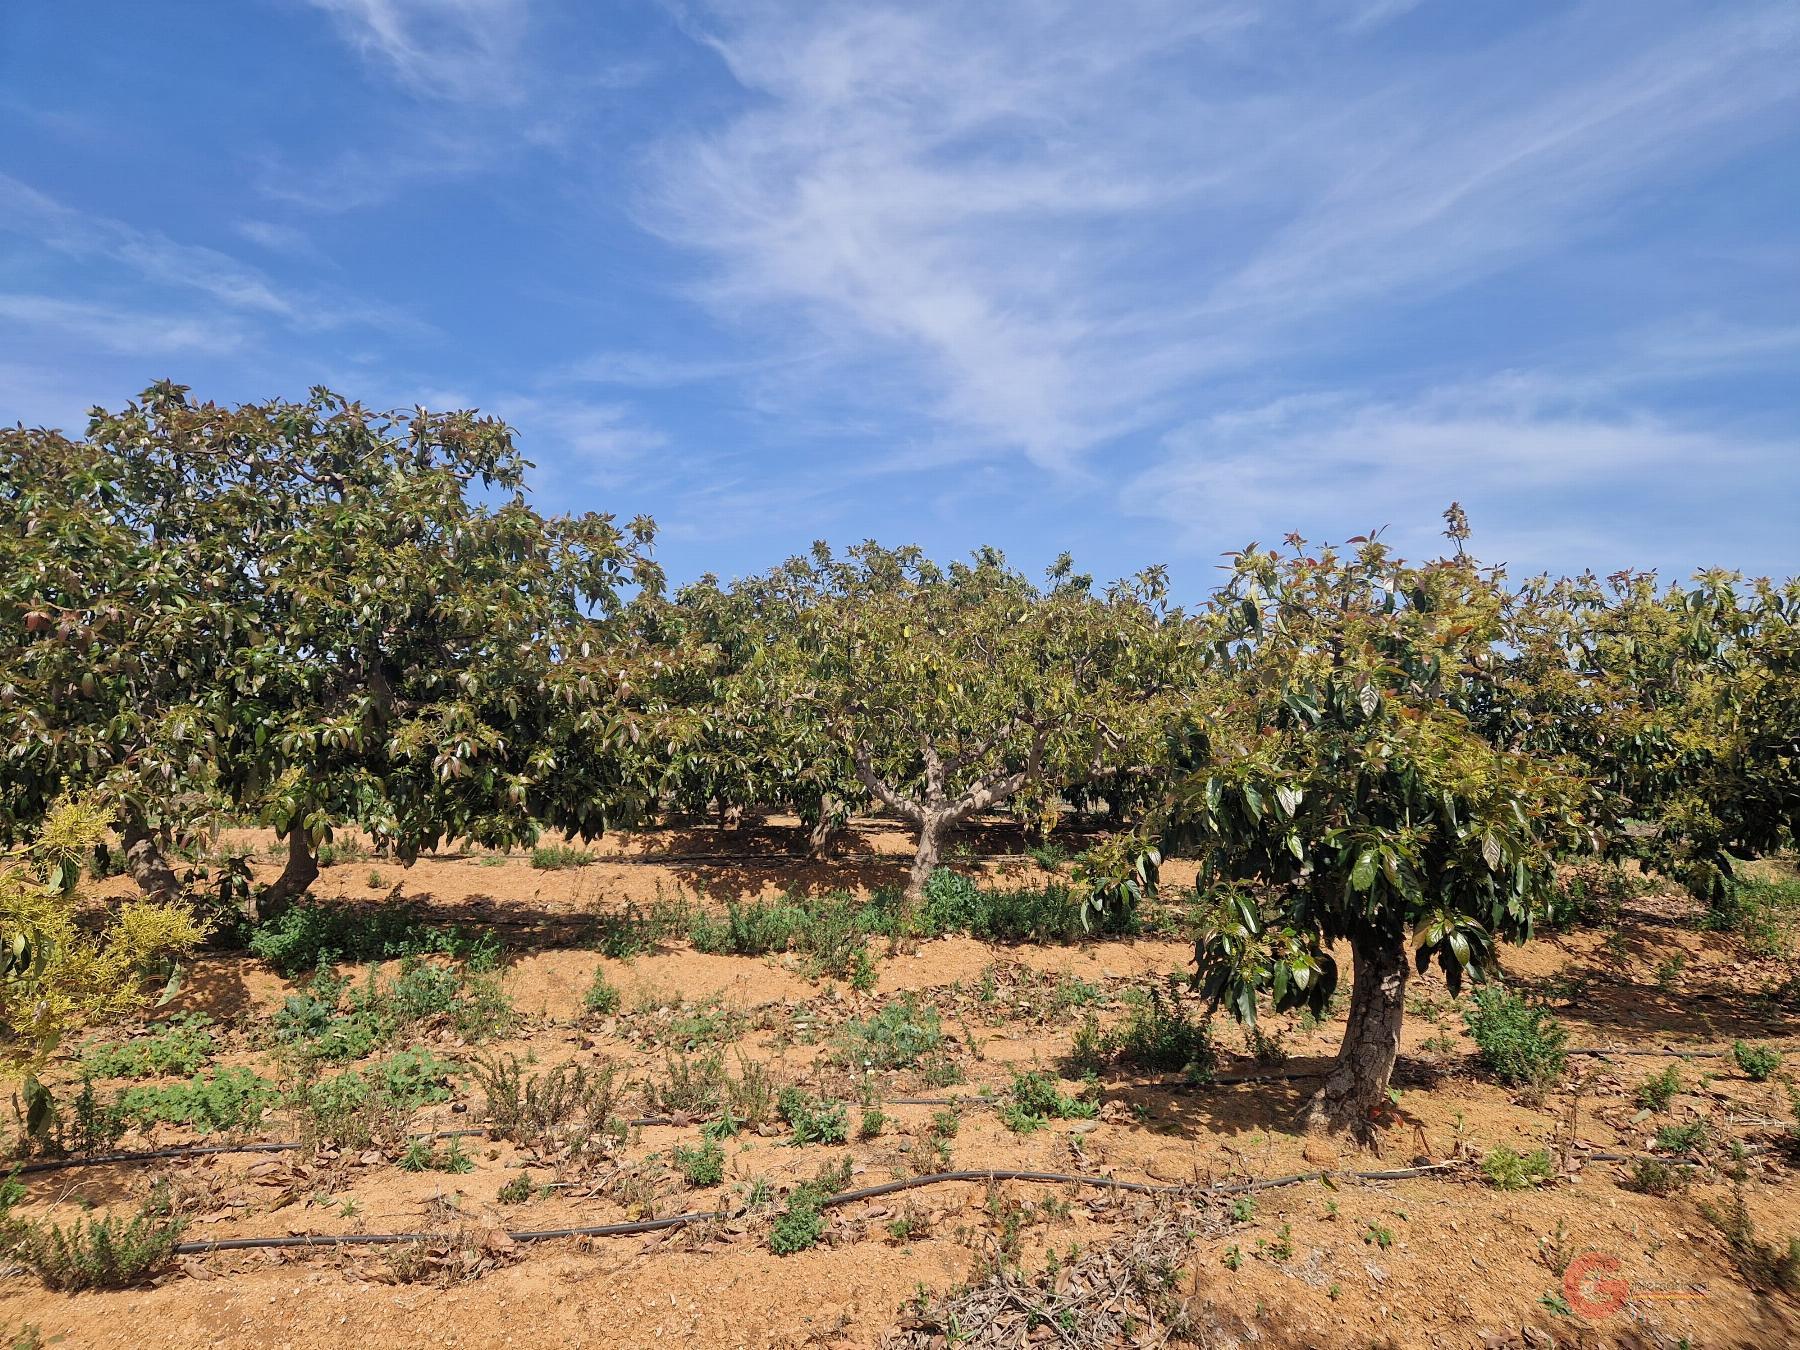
{"type": "Point", "coordinates": [720, 747]}
{"type": "Point", "coordinates": [1682, 703]}
{"type": "Point", "coordinates": [342, 616]}
{"type": "Point", "coordinates": [1339, 792]}
{"type": "Point", "coordinates": [946, 692]}
{"type": "Point", "coordinates": [118, 630]}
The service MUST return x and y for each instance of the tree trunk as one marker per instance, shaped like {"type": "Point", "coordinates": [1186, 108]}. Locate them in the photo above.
{"type": "Point", "coordinates": [301, 871]}
{"type": "Point", "coordinates": [826, 834]}
{"type": "Point", "coordinates": [145, 860]}
{"type": "Point", "coordinates": [932, 832]}
{"type": "Point", "coordinates": [1355, 1091]}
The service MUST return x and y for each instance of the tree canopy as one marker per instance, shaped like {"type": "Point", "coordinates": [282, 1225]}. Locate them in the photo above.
{"type": "Point", "coordinates": [946, 692]}
{"type": "Point", "coordinates": [1340, 791]}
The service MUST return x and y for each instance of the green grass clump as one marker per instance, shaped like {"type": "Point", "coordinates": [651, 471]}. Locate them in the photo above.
{"type": "Point", "coordinates": [303, 937]}
{"type": "Point", "coordinates": [702, 1166]}
{"type": "Point", "coordinates": [813, 1119]}
{"type": "Point", "coordinates": [559, 857]}
{"type": "Point", "coordinates": [328, 1020]}
{"type": "Point", "coordinates": [829, 930]}
{"type": "Point", "coordinates": [898, 1036]}
{"type": "Point", "coordinates": [1508, 1170]}
{"type": "Point", "coordinates": [1758, 1062]}
{"type": "Point", "coordinates": [225, 1099]}
{"type": "Point", "coordinates": [1659, 1089]}
{"type": "Point", "coordinates": [602, 996]}
{"type": "Point", "coordinates": [802, 1223]}
{"type": "Point", "coordinates": [1052, 913]}
{"type": "Point", "coordinates": [1766, 914]}
{"type": "Point", "coordinates": [1036, 1098]}
{"type": "Point", "coordinates": [1521, 1045]}
{"type": "Point", "coordinates": [1681, 1138]}
{"type": "Point", "coordinates": [1159, 1033]}
{"type": "Point", "coordinates": [179, 1046]}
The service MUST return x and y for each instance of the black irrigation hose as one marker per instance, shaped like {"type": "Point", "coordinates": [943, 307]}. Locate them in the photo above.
{"type": "Point", "coordinates": [212, 1150]}
{"type": "Point", "coordinates": [843, 1198]}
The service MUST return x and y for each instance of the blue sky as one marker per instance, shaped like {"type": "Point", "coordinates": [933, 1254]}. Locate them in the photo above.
{"type": "Point", "coordinates": [1143, 280]}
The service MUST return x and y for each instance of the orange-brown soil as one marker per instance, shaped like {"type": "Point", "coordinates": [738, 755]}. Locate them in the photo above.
{"type": "Point", "coordinates": [1440, 1260]}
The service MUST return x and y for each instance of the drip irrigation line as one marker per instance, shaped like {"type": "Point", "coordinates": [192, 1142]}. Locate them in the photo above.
{"type": "Point", "coordinates": [207, 1151]}
{"type": "Point", "coordinates": [267, 1146]}
{"type": "Point", "coordinates": [641, 1226]}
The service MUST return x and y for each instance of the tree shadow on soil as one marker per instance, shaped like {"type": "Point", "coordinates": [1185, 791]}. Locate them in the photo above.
{"type": "Point", "coordinates": [214, 984]}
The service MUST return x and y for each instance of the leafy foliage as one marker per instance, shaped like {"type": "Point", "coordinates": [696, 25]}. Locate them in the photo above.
{"type": "Point", "coordinates": [1521, 1045]}
{"type": "Point", "coordinates": [1345, 771]}
{"type": "Point", "coordinates": [898, 1036]}
{"type": "Point", "coordinates": [56, 975]}
{"type": "Point", "coordinates": [179, 1046]}
{"type": "Point", "coordinates": [1035, 1098]}
{"type": "Point", "coordinates": [224, 1099]}
{"type": "Point", "coordinates": [1508, 1170]}
{"type": "Point", "coordinates": [1758, 1062]}
{"type": "Point", "coordinates": [103, 1253]}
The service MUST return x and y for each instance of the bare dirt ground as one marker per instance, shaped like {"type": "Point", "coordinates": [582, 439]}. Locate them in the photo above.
{"type": "Point", "coordinates": [1442, 1259]}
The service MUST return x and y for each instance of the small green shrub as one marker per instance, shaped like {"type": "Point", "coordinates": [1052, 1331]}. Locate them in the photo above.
{"type": "Point", "coordinates": [1659, 1089]}
{"type": "Point", "coordinates": [1159, 1033]}
{"type": "Point", "coordinates": [1507, 1170]}
{"type": "Point", "coordinates": [517, 1190]}
{"type": "Point", "coordinates": [1758, 1062]}
{"type": "Point", "coordinates": [898, 1036]}
{"type": "Point", "coordinates": [1035, 1098]}
{"type": "Point", "coordinates": [1682, 1138]}
{"type": "Point", "coordinates": [225, 1099]}
{"type": "Point", "coordinates": [1651, 1177]}
{"type": "Point", "coordinates": [863, 974]}
{"type": "Point", "coordinates": [181, 1046]}
{"type": "Point", "coordinates": [702, 1166]}
{"type": "Point", "coordinates": [802, 1223]}
{"type": "Point", "coordinates": [1521, 1045]}
{"type": "Point", "coordinates": [559, 857]}
{"type": "Point", "coordinates": [602, 996]}
{"type": "Point", "coordinates": [104, 1253]}
{"type": "Point", "coordinates": [813, 1119]}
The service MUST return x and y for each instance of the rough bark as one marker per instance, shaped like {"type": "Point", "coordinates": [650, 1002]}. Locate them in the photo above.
{"type": "Point", "coordinates": [301, 870]}
{"type": "Point", "coordinates": [925, 859]}
{"type": "Point", "coordinates": [148, 865]}
{"type": "Point", "coordinates": [1355, 1091]}
{"type": "Point", "coordinates": [826, 833]}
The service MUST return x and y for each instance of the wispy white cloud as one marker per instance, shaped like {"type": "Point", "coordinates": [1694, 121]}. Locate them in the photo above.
{"type": "Point", "coordinates": [1570, 456]}
{"type": "Point", "coordinates": [162, 262]}
{"type": "Point", "coordinates": [1066, 228]}
{"type": "Point", "coordinates": [111, 328]}
{"type": "Point", "coordinates": [452, 49]}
